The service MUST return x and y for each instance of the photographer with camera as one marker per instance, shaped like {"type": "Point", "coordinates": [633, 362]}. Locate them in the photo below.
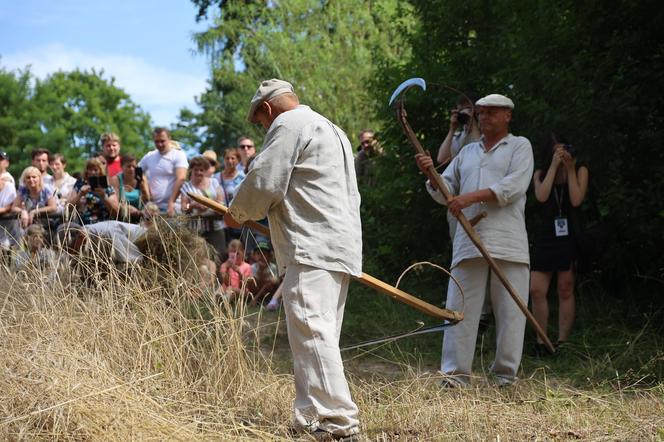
{"type": "Point", "coordinates": [94, 199]}
{"type": "Point", "coordinates": [561, 187]}
{"type": "Point", "coordinates": [464, 129]}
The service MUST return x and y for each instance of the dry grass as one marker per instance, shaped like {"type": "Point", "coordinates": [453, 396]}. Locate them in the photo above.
{"type": "Point", "coordinates": [150, 358]}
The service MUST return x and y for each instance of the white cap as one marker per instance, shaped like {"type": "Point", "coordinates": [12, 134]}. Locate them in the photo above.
{"type": "Point", "coordinates": [495, 100]}
{"type": "Point", "coordinates": [266, 91]}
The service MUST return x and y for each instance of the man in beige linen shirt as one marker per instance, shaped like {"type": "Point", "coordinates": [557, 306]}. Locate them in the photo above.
{"type": "Point", "coordinates": [304, 181]}
{"type": "Point", "coordinates": [490, 175]}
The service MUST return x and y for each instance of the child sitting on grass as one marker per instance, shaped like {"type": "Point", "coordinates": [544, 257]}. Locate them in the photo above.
{"type": "Point", "coordinates": [234, 271]}
{"type": "Point", "coordinates": [265, 276]}
{"type": "Point", "coordinates": [36, 255]}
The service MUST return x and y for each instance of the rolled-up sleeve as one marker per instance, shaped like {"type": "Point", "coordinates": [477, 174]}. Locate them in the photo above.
{"type": "Point", "coordinates": [268, 179]}
{"type": "Point", "coordinates": [450, 177]}
{"type": "Point", "coordinates": [513, 185]}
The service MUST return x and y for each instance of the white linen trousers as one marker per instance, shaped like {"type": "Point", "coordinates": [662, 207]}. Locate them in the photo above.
{"type": "Point", "coordinates": [459, 340]}
{"type": "Point", "coordinates": [314, 301]}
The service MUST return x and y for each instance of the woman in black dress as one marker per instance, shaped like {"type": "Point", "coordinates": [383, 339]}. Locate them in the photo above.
{"type": "Point", "coordinates": [560, 187]}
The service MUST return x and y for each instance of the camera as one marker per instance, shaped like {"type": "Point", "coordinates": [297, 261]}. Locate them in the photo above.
{"type": "Point", "coordinates": [138, 173]}
{"type": "Point", "coordinates": [98, 181]}
{"type": "Point", "coordinates": [570, 149]}
{"type": "Point", "coordinates": [463, 118]}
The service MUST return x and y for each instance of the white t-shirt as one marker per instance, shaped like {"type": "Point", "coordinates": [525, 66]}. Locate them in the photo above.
{"type": "Point", "coordinates": [8, 178]}
{"type": "Point", "coordinates": [160, 172]}
{"type": "Point", "coordinates": [48, 180]}
{"type": "Point", "coordinates": [7, 194]}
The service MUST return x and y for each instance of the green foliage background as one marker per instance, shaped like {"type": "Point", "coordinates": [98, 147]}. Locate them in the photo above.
{"type": "Point", "coordinates": [66, 113]}
{"type": "Point", "coordinates": [327, 50]}
{"type": "Point", "coordinates": [588, 69]}
{"type": "Point", "coordinates": [591, 70]}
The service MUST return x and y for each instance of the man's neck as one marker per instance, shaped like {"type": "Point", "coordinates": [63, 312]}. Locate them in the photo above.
{"type": "Point", "coordinates": [491, 140]}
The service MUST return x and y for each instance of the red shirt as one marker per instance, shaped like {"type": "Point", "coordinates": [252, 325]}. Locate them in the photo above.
{"type": "Point", "coordinates": [113, 168]}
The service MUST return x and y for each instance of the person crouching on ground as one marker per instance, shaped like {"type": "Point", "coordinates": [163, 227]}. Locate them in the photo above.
{"type": "Point", "coordinates": [264, 271]}
{"type": "Point", "coordinates": [304, 181]}
{"type": "Point", "coordinates": [36, 255]}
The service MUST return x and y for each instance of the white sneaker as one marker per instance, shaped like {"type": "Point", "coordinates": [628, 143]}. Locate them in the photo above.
{"type": "Point", "coordinates": [273, 305]}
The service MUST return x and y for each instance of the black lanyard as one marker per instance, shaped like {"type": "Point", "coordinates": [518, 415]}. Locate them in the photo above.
{"type": "Point", "coordinates": [559, 199]}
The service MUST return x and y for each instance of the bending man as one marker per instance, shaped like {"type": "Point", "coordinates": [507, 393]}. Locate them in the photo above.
{"type": "Point", "coordinates": [304, 181]}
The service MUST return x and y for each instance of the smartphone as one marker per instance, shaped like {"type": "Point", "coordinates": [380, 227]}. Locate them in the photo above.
{"type": "Point", "coordinates": [138, 173]}
{"type": "Point", "coordinates": [97, 182]}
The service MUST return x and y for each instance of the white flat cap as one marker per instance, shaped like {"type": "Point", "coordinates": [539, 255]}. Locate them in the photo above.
{"type": "Point", "coordinates": [266, 91]}
{"type": "Point", "coordinates": [495, 100]}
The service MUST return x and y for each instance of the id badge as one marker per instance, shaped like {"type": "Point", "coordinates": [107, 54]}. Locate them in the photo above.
{"type": "Point", "coordinates": [561, 226]}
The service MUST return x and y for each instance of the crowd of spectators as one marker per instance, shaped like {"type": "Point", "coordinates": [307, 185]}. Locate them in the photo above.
{"type": "Point", "coordinates": [115, 190]}
{"type": "Point", "coordinates": [116, 187]}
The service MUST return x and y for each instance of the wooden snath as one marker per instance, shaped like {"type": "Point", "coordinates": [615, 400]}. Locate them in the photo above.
{"type": "Point", "coordinates": [368, 280]}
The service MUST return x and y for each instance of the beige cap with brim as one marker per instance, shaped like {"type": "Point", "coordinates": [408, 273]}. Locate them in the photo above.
{"type": "Point", "coordinates": [495, 100]}
{"type": "Point", "coordinates": [267, 91]}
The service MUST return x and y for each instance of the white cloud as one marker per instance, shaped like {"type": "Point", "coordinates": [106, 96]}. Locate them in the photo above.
{"type": "Point", "coordinates": [161, 90]}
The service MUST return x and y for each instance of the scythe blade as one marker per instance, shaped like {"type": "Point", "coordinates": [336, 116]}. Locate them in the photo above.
{"type": "Point", "coordinates": [416, 81]}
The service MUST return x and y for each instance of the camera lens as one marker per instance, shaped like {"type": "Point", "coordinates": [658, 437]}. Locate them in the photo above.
{"type": "Point", "coordinates": [463, 118]}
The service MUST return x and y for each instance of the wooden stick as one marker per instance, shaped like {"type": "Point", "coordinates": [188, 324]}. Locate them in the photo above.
{"type": "Point", "coordinates": [365, 279]}
{"type": "Point", "coordinates": [437, 182]}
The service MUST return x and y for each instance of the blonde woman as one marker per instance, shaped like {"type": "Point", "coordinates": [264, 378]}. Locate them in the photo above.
{"type": "Point", "coordinates": [33, 199]}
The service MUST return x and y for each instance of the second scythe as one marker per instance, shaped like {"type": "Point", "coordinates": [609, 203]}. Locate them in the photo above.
{"type": "Point", "coordinates": [365, 279]}
{"type": "Point", "coordinates": [438, 183]}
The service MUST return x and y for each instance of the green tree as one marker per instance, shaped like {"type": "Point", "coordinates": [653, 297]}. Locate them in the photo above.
{"type": "Point", "coordinates": [17, 123]}
{"type": "Point", "coordinates": [591, 70]}
{"type": "Point", "coordinates": [74, 108]}
{"type": "Point", "coordinates": [66, 113]}
{"type": "Point", "coordinates": [327, 49]}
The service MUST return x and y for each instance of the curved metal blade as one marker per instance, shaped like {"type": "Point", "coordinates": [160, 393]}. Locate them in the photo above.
{"type": "Point", "coordinates": [417, 331]}
{"type": "Point", "coordinates": [406, 85]}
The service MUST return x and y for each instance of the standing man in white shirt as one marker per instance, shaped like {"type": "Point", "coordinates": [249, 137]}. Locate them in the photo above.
{"type": "Point", "coordinates": [39, 159]}
{"type": "Point", "coordinates": [166, 171]}
{"type": "Point", "coordinates": [491, 175]}
{"type": "Point", "coordinates": [304, 181]}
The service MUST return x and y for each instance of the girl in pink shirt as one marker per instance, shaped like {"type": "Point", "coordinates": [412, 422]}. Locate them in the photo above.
{"type": "Point", "coordinates": [234, 271]}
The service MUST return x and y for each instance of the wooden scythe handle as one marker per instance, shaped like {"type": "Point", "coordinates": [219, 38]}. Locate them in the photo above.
{"type": "Point", "coordinates": [437, 182]}
{"type": "Point", "coordinates": [368, 280]}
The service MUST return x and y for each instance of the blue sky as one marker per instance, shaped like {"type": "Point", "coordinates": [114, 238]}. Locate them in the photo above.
{"type": "Point", "coordinates": [146, 45]}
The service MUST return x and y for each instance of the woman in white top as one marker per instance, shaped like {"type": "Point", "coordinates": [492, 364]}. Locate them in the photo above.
{"type": "Point", "coordinates": [63, 183]}
{"type": "Point", "coordinates": [201, 183]}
